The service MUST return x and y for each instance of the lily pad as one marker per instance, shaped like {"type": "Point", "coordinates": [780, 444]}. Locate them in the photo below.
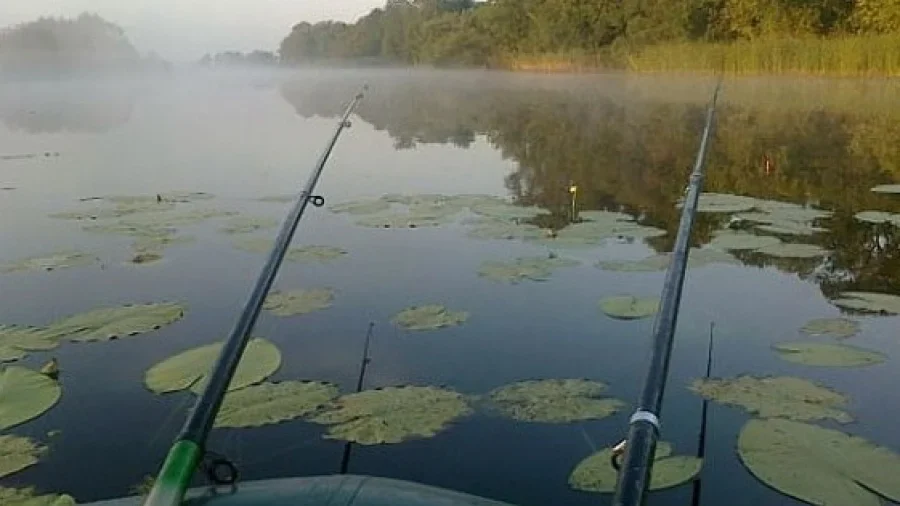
{"type": "Point", "coordinates": [248, 224]}
{"type": "Point", "coordinates": [790, 250]}
{"type": "Point", "coordinates": [117, 211]}
{"type": "Point", "coordinates": [313, 253]}
{"type": "Point", "coordinates": [696, 259]}
{"type": "Point", "coordinates": [51, 262]}
{"type": "Point", "coordinates": [878, 217]}
{"type": "Point", "coordinates": [174, 219]}
{"type": "Point", "coordinates": [781, 397]}
{"type": "Point", "coordinates": [790, 228]}
{"type": "Point", "coordinates": [499, 210]}
{"type": "Point", "coordinates": [594, 474]}
{"type": "Point", "coordinates": [132, 230]}
{"type": "Point", "coordinates": [16, 342]}
{"type": "Point", "coordinates": [360, 207]}
{"type": "Point", "coordinates": [629, 307]}
{"type": "Point", "coordinates": [298, 302]}
{"type": "Point", "coordinates": [188, 369]}
{"type": "Point", "coordinates": [817, 465]}
{"type": "Point", "coordinates": [429, 317]}
{"type": "Point", "coordinates": [742, 241]}
{"type": "Point", "coordinates": [887, 188]}
{"type": "Point", "coordinates": [25, 394]}
{"type": "Point", "coordinates": [269, 403]}
{"type": "Point", "coordinates": [724, 203]}
{"type": "Point", "coordinates": [28, 497]}
{"type": "Point", "coordinates": [114, 322]}
{"type": "Point", "coordinates": [522, 269]}
{"type": "Point", "coordinates": [840, 328]}
{"type": "Point", "coordinates": [827, 355]}
{"type": "Point", "coordinates": [398, 220]}
{"type": "Point", "coordinates": [505, 230]}
{"type": "Point", "coordinates": [174, 197]}
{"type": "Point", "coordinates": [555, 401]}
{"type": "Point", "coordinates": [589, 233]}
{"type": "Point", "coordinates": [17, 453]}
{"type": "Point", "coordinates": [392, 415]}
{"type": "Point", "coordinates": [869, 302]}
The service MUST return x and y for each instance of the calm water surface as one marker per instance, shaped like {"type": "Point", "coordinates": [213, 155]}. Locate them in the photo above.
{"type": "Point", "coordinates": [627, 142]}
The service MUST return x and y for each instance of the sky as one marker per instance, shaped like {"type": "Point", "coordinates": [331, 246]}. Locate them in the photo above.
{"type": "Point", "coordinates": [183, 30]}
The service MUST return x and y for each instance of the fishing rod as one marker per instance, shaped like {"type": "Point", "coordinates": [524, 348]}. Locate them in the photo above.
{"type": "Point", "coordinates": [643, 433]}
{"type": "Point", "coordinates": [188, 450]}
{"type": "Point", "coordinates": [348, 447]}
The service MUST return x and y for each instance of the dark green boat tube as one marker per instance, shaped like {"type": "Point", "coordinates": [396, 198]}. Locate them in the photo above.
{"type": "Point", "coordinates": [188, 450]}
{"type": "Point", "coordinates": [643, 432]}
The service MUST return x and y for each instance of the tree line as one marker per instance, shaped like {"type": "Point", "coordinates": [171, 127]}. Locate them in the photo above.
{"type": "Point", "coordinates": [605, 32]}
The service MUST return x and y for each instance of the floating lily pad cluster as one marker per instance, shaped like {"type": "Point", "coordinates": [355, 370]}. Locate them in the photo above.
{"type": "Point", "coordinates": [429, 317]}
{"type": "Point", "coordinates": [555, 401]}
{"type": "Point", "coordinates": [887, 188]}
{"type": "Point", "coordinates": [313, 253]}
{"type": "Point", "coordinates": [828, 354]}
{"type": "Point", "coordinates": [697, 258]}
{"type": "Point", "coordinates": [868, 302]}
{"type": "Point", "coordinates": [774, 217]}
{"type": "Point", "coordinates": [298, 302]}
{"type": "Point", "coordinates": [524, 269]}
{"type": "Point", "coordinates": [51, 262]}
{"type": "Point", "coordinates": [629, 307]}
{"type": "Point", "coordinates": [595, 474]}
{"type": "Point", "coordinates": [878, 217]}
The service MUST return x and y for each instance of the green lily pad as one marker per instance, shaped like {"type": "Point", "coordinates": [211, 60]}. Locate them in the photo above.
{"type": "Point", "coordinates": [188, 369]}
{"type": "Point", "coordinates": [605, 216]}
{"type": "Point", "coordinates": [25, 394]}
{"type": "Point", "coordinates": [505, 230]}
{"type": "Point", "coordinates": [17, 453]}
{"type": "Point", "coordinates": [522, 269]}
{"type": "Point", "coordinates": [629, 307]}
{"type": "Point", "coordinates": [248, 224]}
{"type": "Point", "coordinates": [696, 259]}
{"type": "Point", "coordinates": [131, 230]}
{"type": "Point", "coordinates": [392, 415]}
{"type": "Point", "coordinates": [298, 302]}
{"type": "Point", "coordinates": [790, 228]}
{"type": "Point", "coordinates": [595, 474]}
{"type": "Point", "coordinates": [790, 250]}
{"type": "Point", "coordinates": [28, 497]}
{"type": "Point", "coordinates": [360, 207]}
{"type": "Point", "coordinates": [16, 342]}
{"type": "Point", "coordinates": [117, 211]}
{"type": "Point", "coordinates": [742, 241]}
{"type": "Point", "coordinates": [429, 317]}
{"type": "Point", "coordinates": [878, 217]}
{"type": "Point", "coordinates": [724, 203]}
{"type": "Point", "coordinates": [313, 253]}
{"type": "Point", "coordinates": [781, 397]}
{"type": "Point", "coordinates": [840, 328]}
{"type": "Point", "coordinates": [398, 220]}
{"type": "Point", "coordinates": [887, 188]}
{"type": "Point", "coordinates": [52, 262]}
{"type": "Point", "coordinates": [555, 401]}
{"type": "Point", "coordinates": [499, 210]}
{"type": "Point", "coordinates": [817, 465]}
{"type": "Point", "coordinates": [181, 197]}
{"type": "Point", "coordinates": [269, 403]}
{"type": "Point", "coordinates": [869, 302]}
{"type": "Point", "coordinates": [827, 355]}
{"type": "Point", "coordinates": [114, 322]}
{"type": "Point", "coordinates": [174, 219]}
{"type": "Point", "coordinates": [588, 233]}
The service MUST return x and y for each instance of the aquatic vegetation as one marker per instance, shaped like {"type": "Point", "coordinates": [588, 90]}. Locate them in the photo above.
{"type": "Point", "coordinates": [25, 394]}
{"type": "Point", "coordinates": [268, 403]}
{"type": "Point", "coordinates": [502, 210]}
{"type": "Point", "coordinates": [828, 355]}
{"type": "Point", "coordinates": [588, 233]}
{"type": "Point", "coordinates": [521, 269]}
{"type": "Point", "coordinates": [181, 197]}
{"type": "Point", "coordinates": [604, 216]}
{"type": "Point", "coordinates": [887, 188]}
{"type": "Point", "coordinates": [297, 302]}
{"type": "Point", "coordinates": [28, 497]}
{"type": "Point", "coordinates": [399, 220]}
{"type": "Point", "coordinates": [790, 228]}
{"type": "Point", "coordinates": [358, 207]}
{"type": "Point", "coordinates": [51, 262]}
{"type": "Point", "coordinates": [188, 369]}
{"type": "Point", "coordinates": [280, 199]}
{"type": "Point", "coordinates": [16, 342]}
{"type": "Point", "coordinates": [595, 474]}
{"type": "Point", "coordinates": [878, 217]}
{"type": "Point", "coordinates": [248, 224]}
{"type": "Point", "coordinates": [17, 453]}
{"type": "Point", "coordinates": [742, 241]}
{"type": "Point", "coordinates": [149, 257]}
{"type": "Point", "coordinates": [139, 231]}
{"type": "Point", "coordinates": [868, 302]}
{"type": "Point", "coordinates": [117, 211]}
{"type": "Point", "coordinates": [429, 317]}
{"type": "Point", "coordinates": [817, 465]}
{"type": "Point", "coordinates": [313, 253]}
{"type": "Point", "coordinates": [629, 307]}
{"type": "Point", "coordinates": [791, 250]}
{"type": "Point", "coordinates": [724, 203]}
{"type": "Point", "coordinates": [114, 322]}
{"type": "Point", "coordinates": [489, 228]}
{"type": "Point", "coordinates": [696, 258]}
{"type": "Point", "coordinates": [840, 328]}
{"type": "Point", "coordinates": [776, 397]}
{"type": "Point", "coordinates": [555, 401]}
{"type": "Point", "coordinates": [392, 415]}
{"type": "Point", "coordinates": [174, 219]}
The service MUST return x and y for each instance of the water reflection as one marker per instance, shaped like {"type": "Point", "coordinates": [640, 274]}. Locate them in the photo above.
{"type": "Point", "coordinates": [37, 109]}
{"type": "Point", "coordinates": [630, 146]}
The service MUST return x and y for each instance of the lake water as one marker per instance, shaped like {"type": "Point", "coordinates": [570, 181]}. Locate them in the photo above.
{"type": "Point", "coordinates": [626, 142]}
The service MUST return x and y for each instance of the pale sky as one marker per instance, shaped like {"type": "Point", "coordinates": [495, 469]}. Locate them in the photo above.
{"type": "Point", "coordinates": [183, 30]}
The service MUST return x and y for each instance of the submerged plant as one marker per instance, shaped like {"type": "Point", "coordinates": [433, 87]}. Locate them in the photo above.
{"type": "Point", "coordinates": [819, 466]}
{"type": "Point", "coordinates": [430, 317]}
{"type": "Point", "coordinates": [55, 261]}
{"type": "Point", "coordinates": [840, 328]}
{"type": "Point", "coordinates": [781, 397]}
{"type": "Point", "coordinates": [189, 369]}
{"type": "Point", "coordinates": [25, 394]}
{"type": "Point", "coordinates": [629, 307]}
{"type": "Point", "coordinates": [555, 401]}
{"type": "Point", "coordinates": [17, 453]}
{"type": "Point", "coordinates": [827, 355]}
{"type": "Point", "coordinates": [522, 269]}
{"type": "Point", "coordinates": [297, 302]}
{"type": "Point", "coordinates": [392, 415]}
{"type": "Point", "coordinates": [268, 403]}
{"type": "Point", "coordinates": [595, 474]}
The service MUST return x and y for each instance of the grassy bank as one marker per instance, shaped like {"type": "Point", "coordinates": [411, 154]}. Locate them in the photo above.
{"type": "Point", "coordinates": [867, 55]}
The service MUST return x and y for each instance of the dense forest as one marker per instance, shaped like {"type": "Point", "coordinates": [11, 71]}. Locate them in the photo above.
{"type": "Point", "coordinates": [814, 36]}
{"type": "Point", "coordinates": [59, 44]}
{"type": "Point", "coordinates": [630, 146]}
